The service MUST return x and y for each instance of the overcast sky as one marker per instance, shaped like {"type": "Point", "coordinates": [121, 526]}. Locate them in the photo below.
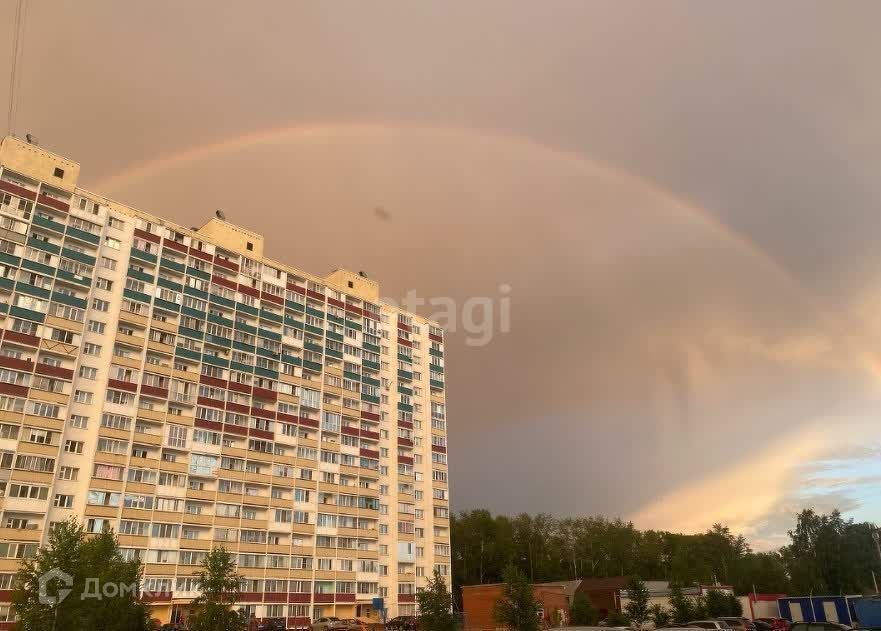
{"type": "Point", "coordinates": [681, 196]}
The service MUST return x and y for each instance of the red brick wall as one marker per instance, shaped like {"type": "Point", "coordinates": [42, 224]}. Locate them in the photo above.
{"type": "Point", "coordinates": [478, 601]}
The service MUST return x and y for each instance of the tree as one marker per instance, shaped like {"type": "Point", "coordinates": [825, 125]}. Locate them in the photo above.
{"type": "Point", "coordinates": [717, 604]}
{"type": "Point", "coordinates": [219, 584]}
{"type": "Point", "coordinates": [435, 605]}
{"type": "Point", "coordinates": [103, 587]}
{"type": "Point", "coordinates": [637, 608]}
{"type": "Point", "coordinates": [582, 612]}
{"type": "Point", "coordinates": [517, 608]}
{"type": "Point", "coordinates": [735, 607]}
{"type": "Point", "coordinates": [681, 607]}
{"type": "Point", "coordinates": [617, 619]}
{"type": "Point", "coordinates": [660, 615]}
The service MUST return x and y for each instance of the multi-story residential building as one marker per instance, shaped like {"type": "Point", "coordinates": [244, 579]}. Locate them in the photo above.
{"type": "Point", "coordinates": [179, 387]}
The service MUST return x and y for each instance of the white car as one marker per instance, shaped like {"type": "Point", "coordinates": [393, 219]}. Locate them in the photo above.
{"type": "Point", "coordinates": [329, 624]}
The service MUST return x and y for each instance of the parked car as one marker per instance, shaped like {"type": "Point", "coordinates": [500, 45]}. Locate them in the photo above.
{"type": "Point", "coordinates": [819, 626]}
{"type": "Point", "coordinates": [403, 623]}
{"type": "Point", "coordinates": [778, 624]}
{"type": "Point", "coordinates": [739, 622]}
{"type": "Point", "coordinates": [709, 624]}
{"type": "Point", "coordinates": [761, 625]}
{"type": "Point", "coordinates": [272, 624]}
{"type": "Point", "coordinates": [353, 624]}
{"type": "Point", "coordinates": [329, 624]}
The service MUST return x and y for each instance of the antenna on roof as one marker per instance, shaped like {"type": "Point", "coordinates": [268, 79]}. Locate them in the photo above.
{"type": "Point", "coordinates": [32, 140]}
{"type": "Point", "coordinates": [362, 274]}
{"type": "Point", "coordinates": [220, 214]}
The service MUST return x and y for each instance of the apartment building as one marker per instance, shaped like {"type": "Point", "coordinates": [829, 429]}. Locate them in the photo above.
{"type": "Point", "coordinates": [179, 387]}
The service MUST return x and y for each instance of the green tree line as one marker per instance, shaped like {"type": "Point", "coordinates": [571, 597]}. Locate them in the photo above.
{"type": "Point", "coordinates": [826, 553]}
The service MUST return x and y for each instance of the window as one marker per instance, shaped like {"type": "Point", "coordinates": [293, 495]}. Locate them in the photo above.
{"type": "Point", "coordinates": [103, 283]}
{"type": "Point", "coordinates": [96, 327]}
{"type": "Point", "coordinates": [73, 446]}
{"type": "Point", "coordinates": [68, 473]}
{"type": "Point", "coordinates": [112, 243]}
{"type": "Point", "coordinates": [82, 396]}
{"type": "Point", "coordinates": [100, 305]}
{"type": "Point", "coordinates": [91, 349]}
{"type": "Point", "coordinates": [108, 263]}
{"type": "Point", "coordinates": [86, 372]}
{"type": "Point", "coordinates": [78, 421]}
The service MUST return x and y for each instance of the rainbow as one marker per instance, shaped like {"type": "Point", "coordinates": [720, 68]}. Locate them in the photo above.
{"type": "Point", "coordinates": [319, 130]}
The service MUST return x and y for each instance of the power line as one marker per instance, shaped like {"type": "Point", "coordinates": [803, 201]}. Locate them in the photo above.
{"type": "Point", "coordinates": [21, 11]}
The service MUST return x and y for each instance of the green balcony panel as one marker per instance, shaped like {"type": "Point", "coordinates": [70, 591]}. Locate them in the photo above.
{"type": "Point", "coordinates": [180, 351]}
{"type": "Point", "coordinates": [335, 336]}
{"type": "Point", "coordinates": [85, 281]}
{"type": "Point", "coordinates": [405, 390]}
{"type": "Point", "coordinates": [167, 305]}
{"type": "Point", "coordinates": [219, 341]}
{"type": "Point", "coordinates": [4, 308]}
{"type": "Point", "coordinates": [82, 257]}
{"type": "Point", "coordinates": [315, 348]}
{"type": "Point", "coordinates": [405, 358]}
{"type": "Point", "coordinates": [334, 354]}
{"type": "Point", "coordinates": [245, 348]}
{"type": "Point", "coordinates": [198, 293]}
{"type": "Point", "coordinates": [143, 256]}
{"type": "Point", "coordinates": [27, 314]}
{"type": "Point", "coordinates": [67, 299]}
{"type": "Point", "coordinates": [313, 366]}
{"type": "Point", "coordinates": [241, 367]}
{"type": "Point", "coordinates": [404, 374]}
{"type": "Point", "coordinates": [367, 346]}
{"type": "Point", "coordinates": [169, 284]}
{"type": "Point", "coordinates": [299, 307]}
{"type": "Point", "coordinates": [172, 265]}
{"type": "Point", "coordinates": [223, 302]}
{"type": "Point", "coordinates": [144, 276]}
{"type": "Point", "coordinates": [265, 372]}
{"type": "Point", "coordinates": [215, 361]}
{"type": "Point", "coordinates": [49, 224]}
{"type": "Point", "coordinates": [336, 319]}
{"type": "Point", "coordinates": [314, 329]}
{"type": "Point", "coordinates": [193, 313]}
{"type": "Point", "coordinates": [7, 283]}
{"type": "Point", "coordinates": [436, 384]}
{"type": "Point", "coordinates": [191, 333]}
{"type": "Point", "coordinates": [404, 407]}
{"type": "Point", "coordinates": [290, 359]}
{"type": "Point", "coordinates": [9, 259]}
{"type": "Point", "coordinates": [38, 267]}
{"type": "Point", "coordinates": [30, 290]}
{"type": "Point", "coordinates": [435, 352]}
{"type": "Point", "coordinates": [219, 319]}
{"type": "Point", "coordinates": [314, 312]}
{"type": "Point", "coordinates": [351, 375]}
{"type": "Point", "coordinates": [82, 235]}
{"type": "Point", "coordinates": [434, 368]}
{"type": "Point", "coordinates": [295, 323]}
{"type": "Point", "coordinates": [136, 295]}
{"type": "Point", "coordinates": [272, 317]}
{"type": "Point", "coordinates": [246, 328]}
{"type": "Point", "coordinates": [253, 311]}
{"type": "Point", "coordinates": [45, 246]}
{"type": "Point", "coordinates": [265, 352]}
{"type": "Point", "coordinates": [353, 325]}
{"type": "Point", "coordinates": [370, 381]}
{"type": "Point", "coordinates": [269, 335]}
{"type": "Point", "coordinates": [369, 364]}
{"type": "Point", "coordinates": [192, 271]}
{"type": "Point", "coordinates": [370, 398]}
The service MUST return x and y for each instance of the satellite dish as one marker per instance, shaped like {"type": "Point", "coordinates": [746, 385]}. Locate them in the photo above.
{"type": "Point", "coordinates": [362, 274]}
{"type": "Point", "coordinates": [32, 140]}
{"type": "Point", "coordinates": [220, 214]}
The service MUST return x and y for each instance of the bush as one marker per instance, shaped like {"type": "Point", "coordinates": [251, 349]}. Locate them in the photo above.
{"type": "Point", "coordinates": [617, 619]}
{"type": "Point", "coordinates": [583, 613]}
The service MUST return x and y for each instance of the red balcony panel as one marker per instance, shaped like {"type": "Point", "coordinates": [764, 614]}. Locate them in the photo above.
{"type": "Point", "coordinates": [288, 418]}
{"type": "Point", "coordinates": [345, 598]}
{"type": "Point", "coordinates": [220, 280]}
{"type": "Point", "coordinates": [322, 598]}
{"type": "Point", "coordinates": [250, 597]}
{"type": "Point", "coordinates": [7, 626]}
{"type": "Point", "coordinates": [153, 391]}
{"type": "Point", "coordinates": [235, 429]}
{"type": "Point", "coordinates": [212, 381]}
{"type": "Point", "coordinates": [213, 425]}
{"type": "Point", "coordinates": [211, 403]}
{"type": "Point", "coordinates": [302, 623]}
{"type": "Point", "coordinates": [262, 413]}
{"type": "Point", "coordinates": [6, 595]}
{"type": "Point", "coordinates": [249, 290]}
{"type": "Point", "coordinates": [118, 384]}
{"type": "Point", "coordinates": [406, 598]}
{"type": "Point", "coordinates": [238, 408]}
{"type": "Point", "coordinates": [406, 424]}
{"type": "Point", "coordinates": [174, 245]}
{"type": "Point", "coordinates": [315, 294]}
{"type": "Point", "coordinates": [405, 442]}
{"type": "Point", "coordinates": [261, 433]}
{"type": "Point", "coordinates": [239, 387]}
{"type": "Point", "coordinates": [264, 393]}
{"type": "Point", "coordinates": [152, 597]}
{"type": "Point", "coordinates": [296, 597]}
{"type": "Point", "coordinates": [21, 338]}
{"type": "Point", "coordinates": [366, 433]}
{"type": "Point", "coordinates": [404, 342]}
{"type": "Point", "coordinates": [371, 315]}
{"type": "Point", "coordinates": [439, 449]}
{"type": "Point", "coordinates": [297, 288]}
{"type": "Point", "coordinates": [226, 264]}
{"type": "Point", "coordinates": [336, 303]}
{"type": "Point", "coordinates": [148, 236]}
{"type": "Point", "coordinates": [54, 371]}
{"type": "Point", "coordinates": [309, 422]}
{"type": "Point", "coordinates": [435, 338]}
{"type": "Point", "coordinates": [369, 453]}
{"type": "Point", "coordinates": [16, 391]}
{"type": "Point", "coordinates": [272, 597]}
{"type": "Point", "coordinates": [405, 327]}
{"type": "Point", "coordinates": [370, 416]}
{"type": "Point", "coordinates": [405, 460]}
{"type": "Point", "coordinates": [57, 204]}
{"type": "Point", "coordinates": [15, 189]}
{"type": "Point", "coordinates": [264, 295]}
{"type": "Point", "coordinates": [351, 431]}
{"type": "Point", "coordinates": [25, 365]}
{"type": "Point", "coordinates": [199, 254]}
{"type": "Point", "coordinates": [354, 309]}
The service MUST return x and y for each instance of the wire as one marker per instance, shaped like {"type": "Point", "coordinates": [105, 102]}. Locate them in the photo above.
{"type": "Point", "coordinates": [14, 76]}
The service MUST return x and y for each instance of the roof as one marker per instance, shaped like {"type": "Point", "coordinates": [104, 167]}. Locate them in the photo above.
{"type": "Point", "coordinates": [569, 587]}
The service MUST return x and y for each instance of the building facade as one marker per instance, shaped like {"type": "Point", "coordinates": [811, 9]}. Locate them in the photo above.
{"type": "Point", "coordinates": [179, 387]}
